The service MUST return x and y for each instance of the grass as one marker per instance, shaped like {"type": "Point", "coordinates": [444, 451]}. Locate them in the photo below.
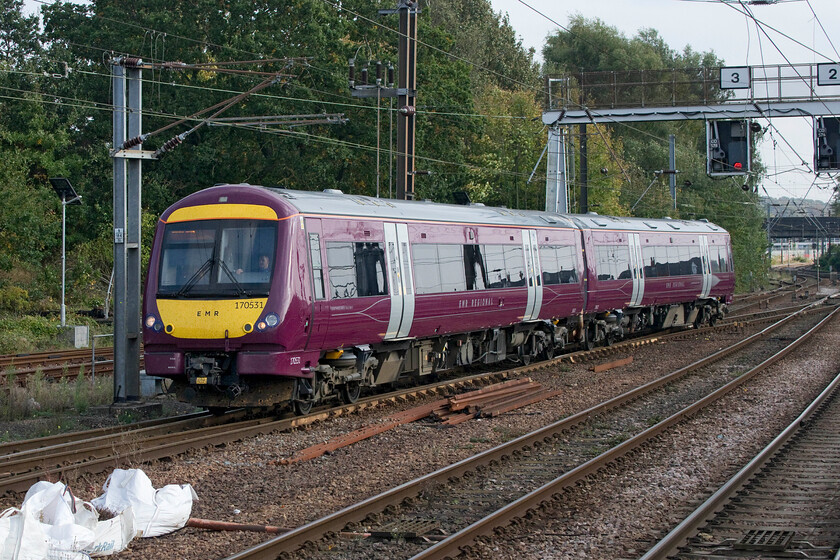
{"type": "Point", "coordinates": [44, 397]}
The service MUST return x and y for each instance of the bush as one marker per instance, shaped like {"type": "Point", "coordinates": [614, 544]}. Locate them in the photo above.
{"type": "Point", "coordinates": [13, 298]}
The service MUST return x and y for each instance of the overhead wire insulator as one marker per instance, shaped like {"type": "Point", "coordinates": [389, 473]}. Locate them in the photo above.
{"type": "Point", "coordinates": [390, 75]}
{"type": "Point", "coordinates": [379, 72]}
{"type": "Point", "coordinates": [170, 144]}
{"type": "Point", "coordinates": [136, 141]}
{"type": "Point", "coordinates": [364, 80]}
{"type": "Point", "coordinates": [132, 62]}
{"type": "Point", "coordinates": [352, 72]}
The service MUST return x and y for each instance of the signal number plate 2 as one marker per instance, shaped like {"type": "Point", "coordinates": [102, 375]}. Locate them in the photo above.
{"type": "Point", "coordinates": [201, 381]}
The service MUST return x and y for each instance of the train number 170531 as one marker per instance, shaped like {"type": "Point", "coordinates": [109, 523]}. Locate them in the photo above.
{"type": "Point", "coordinates": [248, 305]}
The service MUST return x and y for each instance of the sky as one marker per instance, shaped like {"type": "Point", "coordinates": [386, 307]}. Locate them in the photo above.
{"type": "Point", "coordinates": [715, 26]}
{"type": "Point", "coordinates": [711, 26]}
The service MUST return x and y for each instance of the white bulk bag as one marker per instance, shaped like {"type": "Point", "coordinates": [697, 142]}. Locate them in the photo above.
{"type": "Point", "coordinates": [156, 512]}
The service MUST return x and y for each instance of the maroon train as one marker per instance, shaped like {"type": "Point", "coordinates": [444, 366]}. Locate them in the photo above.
{"type": "Point", "coordinates": [258, 296]}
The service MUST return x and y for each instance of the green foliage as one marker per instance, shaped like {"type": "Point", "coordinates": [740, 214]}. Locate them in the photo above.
{"type": "Point", "coordinates": [831, 258]}
{"type": "Point", "coordinates": [13, 298]}
{"type": "Point", "coordinates": [631, 154]}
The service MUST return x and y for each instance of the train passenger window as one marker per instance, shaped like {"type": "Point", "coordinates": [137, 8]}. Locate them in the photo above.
{"type": "Point", "coordinates": [550, 265]}
{"type": "Point", "coordinates": [342, 269]}
{"type": "Point", "coordinates": [514, 265]}
{"type": "Point", "coordinates": [622, 261]}
{"type": "Point", "coordinates": [724, 259]}
{"type": "Point", "coordinates": [426, 270]}
{"type": "Point", "coordinates": [566, 257]}
{"type": "Point", "coordinates": [494, 262]}
{"type": "Point", "coordinates": [661, 252]}
{"type": "Point", "coordinates": [685, 260]}
{"type": "Point", "coordinates": [714, 258]}
{"type": "Point", "coordinates": [474, 268]}
{"type": "Point", "coordinates": [317, 266]}
{"type": "Point", "coordinates": [356, 269]}
{"type": "Point", "coordinates": [673, 260]}
{"type": "Point", "coordinates": [649, 261]}
{"type": "Point", "coordinates": [451, 262]}
{"type": "Point", "coordinates": [370, 269]}
{"type": "Point", "coordinates": [613, 262]}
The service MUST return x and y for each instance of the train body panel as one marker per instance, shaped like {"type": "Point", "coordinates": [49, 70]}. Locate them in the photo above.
{"type": "Point", "coordinates": [360, 291]}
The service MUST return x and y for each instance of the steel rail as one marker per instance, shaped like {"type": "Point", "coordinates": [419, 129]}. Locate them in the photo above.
{"type": "Point", "coordinates": [452, 545]}
{"type": "Point", "coordinates": [102, 451]}
{"type": "Point", "coordinates": [43, 457]}
{"type": "Point", "coordinates": [46, 442]}
{"type": "Point", "coordinates": [335, 522]}
{"type": "Point", "coordinates": [691, 524]}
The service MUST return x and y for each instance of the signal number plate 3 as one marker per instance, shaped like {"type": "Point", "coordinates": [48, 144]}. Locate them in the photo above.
{"type": "Point", "coordinates": [201, 381]}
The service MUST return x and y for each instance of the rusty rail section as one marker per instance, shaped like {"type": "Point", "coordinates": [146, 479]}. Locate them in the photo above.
{"type": "Point", "coordinates": [451, 546]}
{"type": "Point", "coordinates": [805, 457]}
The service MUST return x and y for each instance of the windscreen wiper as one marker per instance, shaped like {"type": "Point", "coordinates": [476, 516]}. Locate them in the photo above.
{"type": "Point", "coordinates": [232, 276]}
{"type": "Point", "coordinates": [197, 275]}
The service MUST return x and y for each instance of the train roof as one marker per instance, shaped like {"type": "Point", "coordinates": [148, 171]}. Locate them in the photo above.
{"type": "Point", "coordinates": [335, 202]}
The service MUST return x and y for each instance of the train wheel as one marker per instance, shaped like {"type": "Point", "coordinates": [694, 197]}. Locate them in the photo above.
{"type": "Point", "coordinates": [547, 353]}
{"type": "Point", "coordinates": [303, 408]}
{"type": "Point", "coordinates": [350, 392]}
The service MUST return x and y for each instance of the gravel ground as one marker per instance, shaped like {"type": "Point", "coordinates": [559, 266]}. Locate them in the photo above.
{"type": "Point", "coordinates": [243, 477]}
{"type": "Point", "coordinates": [242, 482]}
{"type": "Point", "coordinates": [667, 480]}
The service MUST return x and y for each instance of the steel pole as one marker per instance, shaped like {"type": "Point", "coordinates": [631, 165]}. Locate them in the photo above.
{"type": "Point", "coordinates": [63, 255]}
{"type": "Point", "coordinates": [119, 137]}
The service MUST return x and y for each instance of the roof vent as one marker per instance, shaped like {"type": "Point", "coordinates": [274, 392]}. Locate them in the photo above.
{"type": "Point", "coordinates": [333, 191]}
{"type": "Point", "coordinates": [592, 213]}
{"type": "Point", "coordinates": [704, 220]}
{"type": "Point", "coordinates": [667, 218]}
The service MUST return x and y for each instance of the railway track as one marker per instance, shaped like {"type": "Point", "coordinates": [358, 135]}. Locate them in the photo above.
{"type": "Point", "coordinates": [436, 515]}
{"type": "Point", "coordinates": [94, 451]}
{"type": "Point", "coordinates": [782, 504]}
{"type": "Point", "coordinates": [55, 365]}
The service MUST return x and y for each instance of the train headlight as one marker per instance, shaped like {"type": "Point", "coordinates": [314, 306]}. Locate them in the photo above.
{"type": "Point", "coordinates": [268, 322]}
{"type": "Point", "coordinates": [154, 323]}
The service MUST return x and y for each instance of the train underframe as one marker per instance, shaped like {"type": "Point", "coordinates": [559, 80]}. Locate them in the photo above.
{"type": "Point", "coordinates": [211, 381]}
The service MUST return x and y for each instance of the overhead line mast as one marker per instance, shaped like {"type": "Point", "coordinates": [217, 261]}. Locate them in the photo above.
{"type": "Point", "coordinates": [405, 92]}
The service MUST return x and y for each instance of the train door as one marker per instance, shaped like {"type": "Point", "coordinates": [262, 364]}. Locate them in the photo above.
{"type": "Point", "coordinates": [636, 268]}
{"type": "Point", "coordinates": [319, 316]}
{"type": "Point", "coordinates": [532, 266]}
{"type": "Point", "coordinates": [400, 280]}
{"type": "Point", "coordinates": [707, 267]}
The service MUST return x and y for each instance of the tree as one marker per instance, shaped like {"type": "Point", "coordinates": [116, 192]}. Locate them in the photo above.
{"type": "Point", "coordinates": [641, 150]}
